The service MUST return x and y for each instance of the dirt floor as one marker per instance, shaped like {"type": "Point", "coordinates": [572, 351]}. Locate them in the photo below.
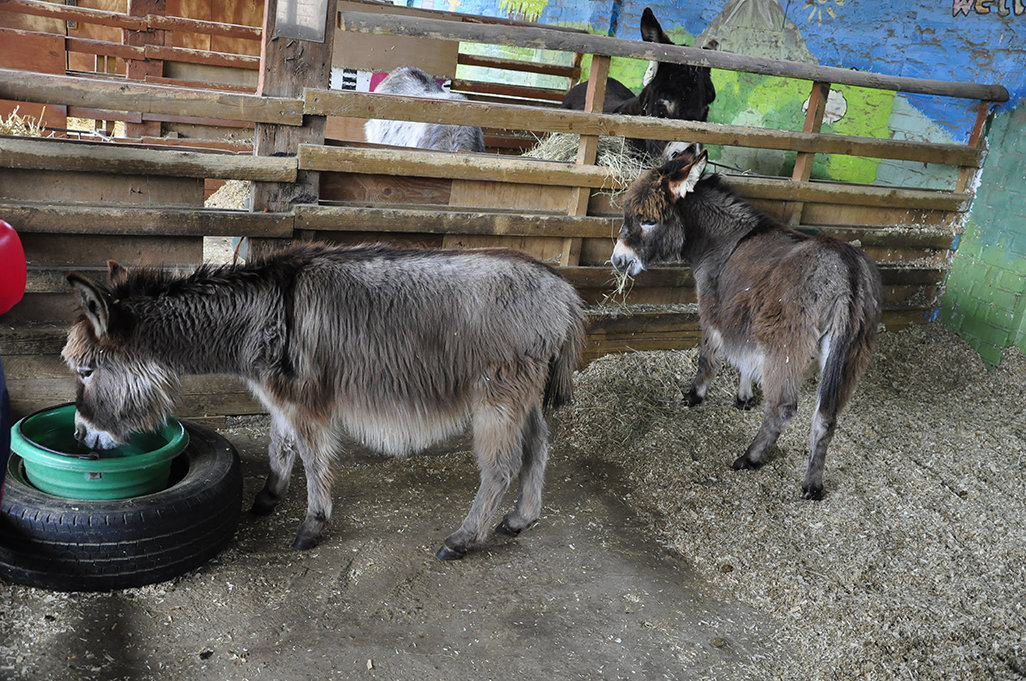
{"type": "Point", "coordinates": [653, 559]}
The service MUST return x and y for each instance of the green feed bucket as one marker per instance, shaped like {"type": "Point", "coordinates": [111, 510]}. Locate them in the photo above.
{"type": "Point", "coordinates": [58, 464]}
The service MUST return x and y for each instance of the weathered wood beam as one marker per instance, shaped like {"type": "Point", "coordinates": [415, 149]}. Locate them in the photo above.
{"type": "Point", "coordinates": [388, 219]}
{"type": "Point", "coordinates": [418, 163]}
{"type": "Point", "coordinates": [544, 38]}
{"type": "Point", "coordinates": [53, 154]}
{"type": "Point", "coordinates": [517, 117]}
{"type": "Point", "coordinates": [25, 86]}
{"type": "Point", "coordinates": [114, 220]}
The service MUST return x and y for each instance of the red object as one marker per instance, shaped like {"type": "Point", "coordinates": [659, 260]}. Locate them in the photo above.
{"type": "Point", "coordinates": [12, 268]}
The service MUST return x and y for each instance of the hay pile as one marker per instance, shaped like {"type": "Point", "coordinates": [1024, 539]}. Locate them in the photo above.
{"type": "Point", "coordinates": [24, 126]}
{"type": "Point", "coordinates": [622, 161]}
{"type": "Point", "coordinates": [912, 567]}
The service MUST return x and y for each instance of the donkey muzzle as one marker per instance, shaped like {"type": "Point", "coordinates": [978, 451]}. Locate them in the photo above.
{"type": "Point", "coordinates": [625, 260]}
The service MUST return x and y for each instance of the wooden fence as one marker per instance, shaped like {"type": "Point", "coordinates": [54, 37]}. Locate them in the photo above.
{"type": "Point", "coordinates": [77, 204]}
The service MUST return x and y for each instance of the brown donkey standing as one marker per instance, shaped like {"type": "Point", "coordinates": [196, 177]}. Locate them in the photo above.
{"type": "Point", "coordinates": [771, 300]}
{"type": "Point", "coordinates": [397, 349]}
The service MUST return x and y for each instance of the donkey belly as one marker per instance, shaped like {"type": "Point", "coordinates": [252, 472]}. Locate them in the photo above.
{"type": "Point", "coordinates": [401, 432]}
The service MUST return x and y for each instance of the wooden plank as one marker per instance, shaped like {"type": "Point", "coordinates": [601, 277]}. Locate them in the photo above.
{"type": "Point", "coordinates": [31, 51]}
{"type": "Point", "coordinates": [114, 220]}
{"type": "Point", "coordinates": [382, 55]}
{"type": "Point", "coordinates": [280, 78]}
{"type": "Point", "coordinates": [517, 117]}
{"type": "Point", "coordinates": [55, 187]}
{"type": "Point", "coordinates": [481, 223]}
{"type": "Point", "coordinates": [507, 90]}
{"type": "Point", "coordinates": [848, 193]}
{"type": "Point", "coordinates": [803, 163]}
{"type": "Point", "coordinates": [103, 94]}
{"type": "Point", "coordinates": [670, 276]}
{"type": "Point", "coordinates": [70, 251]}
{"type": "Point", "coordinates": [463, 166]}
{"type": "Point", "coordinates": [571, 72]}
{"type": "Point", "coordinates": [366, 188]}
{"type": "Point", "coordinates": [540, 37]}
{"type": "Point", "coordinates": [98, 157]}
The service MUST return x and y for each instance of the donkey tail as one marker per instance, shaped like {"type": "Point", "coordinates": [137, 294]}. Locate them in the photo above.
{"type": "Point", "coordinates": [560, 387]}
{"type": "Point", "coordinates": [853, 339]}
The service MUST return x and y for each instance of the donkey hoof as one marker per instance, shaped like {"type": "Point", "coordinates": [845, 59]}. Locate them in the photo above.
{"type": "Point", "coordinates": [746, 405]}
{"type": "Point", "coordinates": [304, 543]}
{"type": "Point", "coordinates": [504, 529]}
{"type": "Point", "coordinates": [692, 399]}
{"type": "Point", "coordinates": [447, 553]}
{"type": "Point", "coordinates": [813, 493]}
{"type": "Point", "coordinates": [263, 504]}
{"type": "Point", "coordinates": [743, 464]}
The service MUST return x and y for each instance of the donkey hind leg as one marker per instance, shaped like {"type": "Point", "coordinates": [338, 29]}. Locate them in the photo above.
{"type": "Point", "coordinates": [532, 475]}
{"type": "Point", "coordinates": [708, 364]}
{"type": "Point", "coordinates": [835, 389]}
{"type": "Point", "coordinates": [315, 448]}
{"type": "Point", "coordinates": [498, 445]}
{"type": "Point", "coordinates": [781, 406]}
{"type": "Point", "coordinates": [282, 453]}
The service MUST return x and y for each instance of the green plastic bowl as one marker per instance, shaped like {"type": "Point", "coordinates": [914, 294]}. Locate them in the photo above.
{"type": "Point", "coordinates": [55, 464]}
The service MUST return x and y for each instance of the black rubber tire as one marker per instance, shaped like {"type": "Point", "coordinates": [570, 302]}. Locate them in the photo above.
{"type": "Point", "coordinates": [79, 545]}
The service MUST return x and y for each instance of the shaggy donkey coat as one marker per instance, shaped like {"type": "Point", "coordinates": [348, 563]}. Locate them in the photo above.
{"type": "Point", "coordinates": [679, 91]}
{"type": "Point", "coordinates": [398, 349]}
{"type": "Point", "coordinates": [411, 81]}
{"type": "Point", "coordinates": [770, 299]}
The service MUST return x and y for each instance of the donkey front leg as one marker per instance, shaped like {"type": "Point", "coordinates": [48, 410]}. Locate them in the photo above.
{"type": "Point", "coordinates": [708, 364]}
{"type": "Point", "coordinates": [498, 445]}
{"type": "Point", "coordinates": [282, 453]}
{"type": "Point", "coordinates": [532, 475]}
{"type": "Point", "coordinates": [315, 448]}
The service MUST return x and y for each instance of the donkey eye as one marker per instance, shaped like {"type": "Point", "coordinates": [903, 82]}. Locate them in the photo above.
{"type": "Point", "coordinates": [85, 372]}
{"type": "Point", "coordinates": [647, 227]}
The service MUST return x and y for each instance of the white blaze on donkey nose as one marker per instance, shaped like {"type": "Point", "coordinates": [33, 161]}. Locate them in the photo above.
{"type": "Point", "coordinates": [626, 260]}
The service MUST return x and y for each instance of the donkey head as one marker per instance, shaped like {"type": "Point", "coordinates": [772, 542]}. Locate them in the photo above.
{"type": "Point", "coordinates": [677, 91]}
{"type": "Point", "coordinates": [652, 230]}
{"type": "Point", "coordinates": [121, 389]}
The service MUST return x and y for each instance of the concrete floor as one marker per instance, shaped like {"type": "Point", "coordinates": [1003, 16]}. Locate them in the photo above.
{"type": "Point", "coordinates": [586, 593]}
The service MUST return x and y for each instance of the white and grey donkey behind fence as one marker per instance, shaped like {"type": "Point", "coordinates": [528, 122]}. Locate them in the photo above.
{"type": "Point", "coordinates": [397, 349]}
{"type": "Point", "coordinates": [412, 82]}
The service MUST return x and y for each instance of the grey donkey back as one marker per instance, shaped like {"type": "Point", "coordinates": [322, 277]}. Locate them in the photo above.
{"type": "Point", "coordinates": [411, 81]}
{"type": "Point", "coordinates": [771, 300]}
{"type": "Point", "coordinates": [396, 349]}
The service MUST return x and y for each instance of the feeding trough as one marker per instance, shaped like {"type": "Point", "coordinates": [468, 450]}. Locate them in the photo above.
{"type": "Point", "coordinates": [58, 464]}
{"type": "Point", "coordinates": [76, 519]}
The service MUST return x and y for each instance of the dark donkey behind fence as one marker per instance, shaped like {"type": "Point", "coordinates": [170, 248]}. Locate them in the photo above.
{"type": "Point", "coordinates": [770, 299]}
{"type": "Point", "coordinates": [398, 349]}
{"type": "Point", "coordinates": [678, 91]}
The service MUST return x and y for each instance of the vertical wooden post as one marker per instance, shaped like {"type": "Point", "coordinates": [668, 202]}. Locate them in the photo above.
{"type": "Point", "coordinates": [287, 66]}
{"type": "Point", "coordinates": [966, 173]}
{"type": "Point", "coordinates": [803, 164]}
{"type": "Point", "coordinates": [587, 151]}
{"type": "Point", "coordinates": [139, 69]}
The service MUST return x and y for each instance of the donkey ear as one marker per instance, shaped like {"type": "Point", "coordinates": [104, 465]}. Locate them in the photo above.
{"type": "Point", "coordinates": [686, 175]}
{"type": "Point", "coordinates": [117, 273]}
{"type": "Point", "coordinates": [651, 31]}
{"type": "Point", "coordinates": [93, 302]}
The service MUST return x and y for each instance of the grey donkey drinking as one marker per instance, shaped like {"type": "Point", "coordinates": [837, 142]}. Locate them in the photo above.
{"type": "Point", "coordinates": [412, 82]}
{"type": "Point", "coordinates": [771, 300]}
{"type": "Point", "coordinates": [397, 349]}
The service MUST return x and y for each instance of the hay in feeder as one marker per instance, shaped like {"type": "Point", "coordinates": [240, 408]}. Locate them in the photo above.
{"type": "Point", "coordinates": [622, 161]}
{"type": "Point", "coordinates": [24, 126]}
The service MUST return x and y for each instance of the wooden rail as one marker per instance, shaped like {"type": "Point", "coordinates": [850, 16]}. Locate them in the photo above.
{"type": "Point", "coordinates": [537, 37]}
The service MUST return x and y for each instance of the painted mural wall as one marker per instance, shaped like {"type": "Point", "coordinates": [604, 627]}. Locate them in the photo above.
{"type": "Point", "coordinates": [981, 41]}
